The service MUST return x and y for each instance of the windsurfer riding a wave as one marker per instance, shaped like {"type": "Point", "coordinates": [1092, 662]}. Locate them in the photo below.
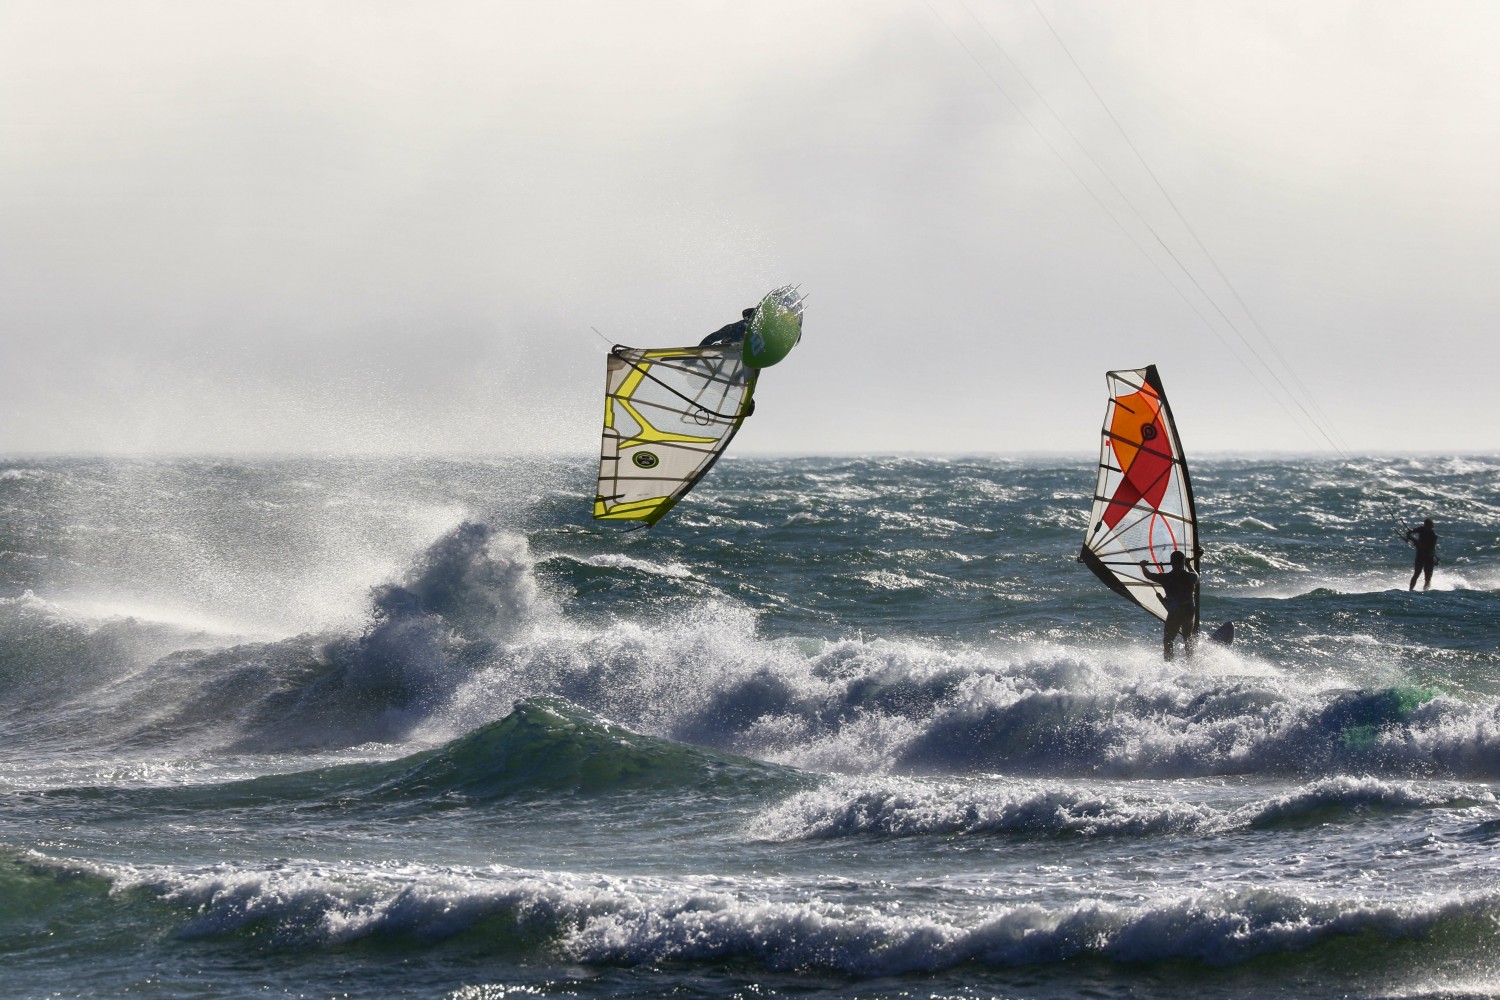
{"type": "Point", "coordinates": [1181, 599]}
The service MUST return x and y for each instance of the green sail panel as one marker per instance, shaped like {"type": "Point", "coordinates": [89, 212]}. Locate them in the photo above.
{"type": "Point", "coordinates": [775, 328]}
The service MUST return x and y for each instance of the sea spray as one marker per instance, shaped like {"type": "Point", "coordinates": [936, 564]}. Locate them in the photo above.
{"type": "Point", "coordinates": [418, 727]}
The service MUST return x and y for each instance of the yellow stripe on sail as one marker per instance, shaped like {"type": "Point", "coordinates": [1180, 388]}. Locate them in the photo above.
{"type": "Point", "coordinates": [633, 511]}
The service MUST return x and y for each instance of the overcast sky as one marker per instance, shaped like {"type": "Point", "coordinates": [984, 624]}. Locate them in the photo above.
{"type": "Point", "coordinates": [367, 226]}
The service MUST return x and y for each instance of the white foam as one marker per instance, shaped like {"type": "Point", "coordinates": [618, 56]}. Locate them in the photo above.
{"type": "Point", "coordinates": [1257, 557]}
{"type": "Point", "coordinates": [884, 579]}
{"type": "Point", "coordinates": [707, 676]}
{"type": "Point", "coordinates": [1394, 581]}
{"type": "Point", "coordinates": [97, 609]}
{"type": "Point", "coordinates": [598, 918]}
{"type": "Point", "coordinates": [907, 807]}
{"type": "Point", "coordinates": [671, 570]}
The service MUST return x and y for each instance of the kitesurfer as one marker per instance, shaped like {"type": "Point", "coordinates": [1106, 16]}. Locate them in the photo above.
{"type": "Point", "coordinates": [1425, 540]}
{"type": "Point", "coordinates": [734, 333]}
{"type": "Point", "coordinates": [1181, 599]}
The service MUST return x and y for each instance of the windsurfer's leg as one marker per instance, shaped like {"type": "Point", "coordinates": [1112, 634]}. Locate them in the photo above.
{"type": "Point", "coordinates": [1188, 635]}
{"type": "Point", "coordinates": [1177, 623]}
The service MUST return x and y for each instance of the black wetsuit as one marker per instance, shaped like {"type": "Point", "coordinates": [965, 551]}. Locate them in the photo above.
{"type": "Point", "coordinates": [734, 333]}
{"type": "Point", "coordinates": [1425, 539]}
{"type": "Point", "coordinates": [1181, 600]}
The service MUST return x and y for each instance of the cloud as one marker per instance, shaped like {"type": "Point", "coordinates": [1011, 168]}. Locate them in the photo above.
{"type": "Point", "coordinates": [374, 226]}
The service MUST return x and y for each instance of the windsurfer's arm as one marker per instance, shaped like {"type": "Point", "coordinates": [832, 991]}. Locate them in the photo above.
{"type": "Point", "coordinates": [729, 333]}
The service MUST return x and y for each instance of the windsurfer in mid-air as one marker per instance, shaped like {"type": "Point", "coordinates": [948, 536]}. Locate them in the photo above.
{"type": "Point", "coordinates": [1425, 540]}
{"type": "Point", "coordinates": [1181, 599]}
{"type": "Point", "coordinates": [734, 333]}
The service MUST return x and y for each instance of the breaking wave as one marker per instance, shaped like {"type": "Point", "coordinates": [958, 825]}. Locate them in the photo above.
{"type": "Point", "coordinates": [608, 920]}
{"type": "Point", "coordinates": [906, 808]}
{"type": "Point", "coordinates": [545, 747]}
{"type": "Point", "coordinates": [470, 631]}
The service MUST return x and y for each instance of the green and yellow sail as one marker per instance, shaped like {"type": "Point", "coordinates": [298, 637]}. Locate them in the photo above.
{"type": "Point", "coordinates": [669, 413]}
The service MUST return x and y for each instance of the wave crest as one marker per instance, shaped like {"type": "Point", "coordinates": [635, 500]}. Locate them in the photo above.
{"type": "Point", "coordinates": [618, 921]}
{"type": "Point", "coordinates": [895, 807]}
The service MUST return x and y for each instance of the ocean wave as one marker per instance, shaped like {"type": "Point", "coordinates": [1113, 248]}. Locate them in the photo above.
{"type": "Point", "coordinates": [706, 678]}
{"type": "Point", "coordinates": [907, 808]}
{"type": "Point", "coordinates": [462, 599]}
{"type": "Point", "coordinates": [36, 891]}
{"type": "Point", "coordinates": [1213, 929]}
{"type": "Point", "coordinates": [1241, 556]}
{"type": "Point", "coordinates": [468, 633]}
{"type": "Point", "coordinates": [1344, 797]}
{"type": "Point", "coordinates": [615, 560]}
{"type": "Point", "coordinates": [884, 579]}
{"type": "Point", "coordinates": [894, 807]}
{"type": "Point", "coordinates": [1158, 728]}
{"type": "Point", "coordinates": [48, 657]}
{"type": "Point", "coordinates": [545, 747]}
{"type": "Point", "coordinates": [1391, 586]}
{"type": "Point", "coordinates": [607, 920]}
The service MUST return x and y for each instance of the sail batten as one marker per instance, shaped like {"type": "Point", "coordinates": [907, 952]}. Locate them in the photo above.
{"type": "Point", "coordinates": [1143, 499]}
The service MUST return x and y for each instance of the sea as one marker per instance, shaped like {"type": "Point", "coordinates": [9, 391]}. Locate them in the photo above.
{"type": "Point", "coordinates": [847, 726]}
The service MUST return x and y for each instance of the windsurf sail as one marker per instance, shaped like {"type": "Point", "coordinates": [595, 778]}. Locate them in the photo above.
{"type": "Point", "coordinates": [1143, 500]}
{"type": "Point", "coordinates": [669, 413]}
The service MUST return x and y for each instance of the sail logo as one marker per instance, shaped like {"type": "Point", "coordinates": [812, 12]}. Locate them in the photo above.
{"type": "Point", "coordinates": [645, 460]}
{"type": "Point", "coordinates": [1148, 432]}
{"type": "Point", "coordinates": [757, 341]}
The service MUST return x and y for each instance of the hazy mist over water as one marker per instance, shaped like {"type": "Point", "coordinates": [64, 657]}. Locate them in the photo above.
{"type": "Point", "coordinates": [274, 227]}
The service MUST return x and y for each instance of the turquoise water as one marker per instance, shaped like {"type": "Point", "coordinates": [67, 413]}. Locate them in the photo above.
{"type": "Point", "coordinates": [838, 727]}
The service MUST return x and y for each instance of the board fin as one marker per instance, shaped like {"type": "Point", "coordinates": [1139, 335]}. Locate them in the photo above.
{"type": "Point", "coordinates": [1224, 634]}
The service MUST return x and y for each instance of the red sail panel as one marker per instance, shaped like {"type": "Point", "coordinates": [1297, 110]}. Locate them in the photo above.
{"type": "Point", "coordinates": [1137, 440]}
